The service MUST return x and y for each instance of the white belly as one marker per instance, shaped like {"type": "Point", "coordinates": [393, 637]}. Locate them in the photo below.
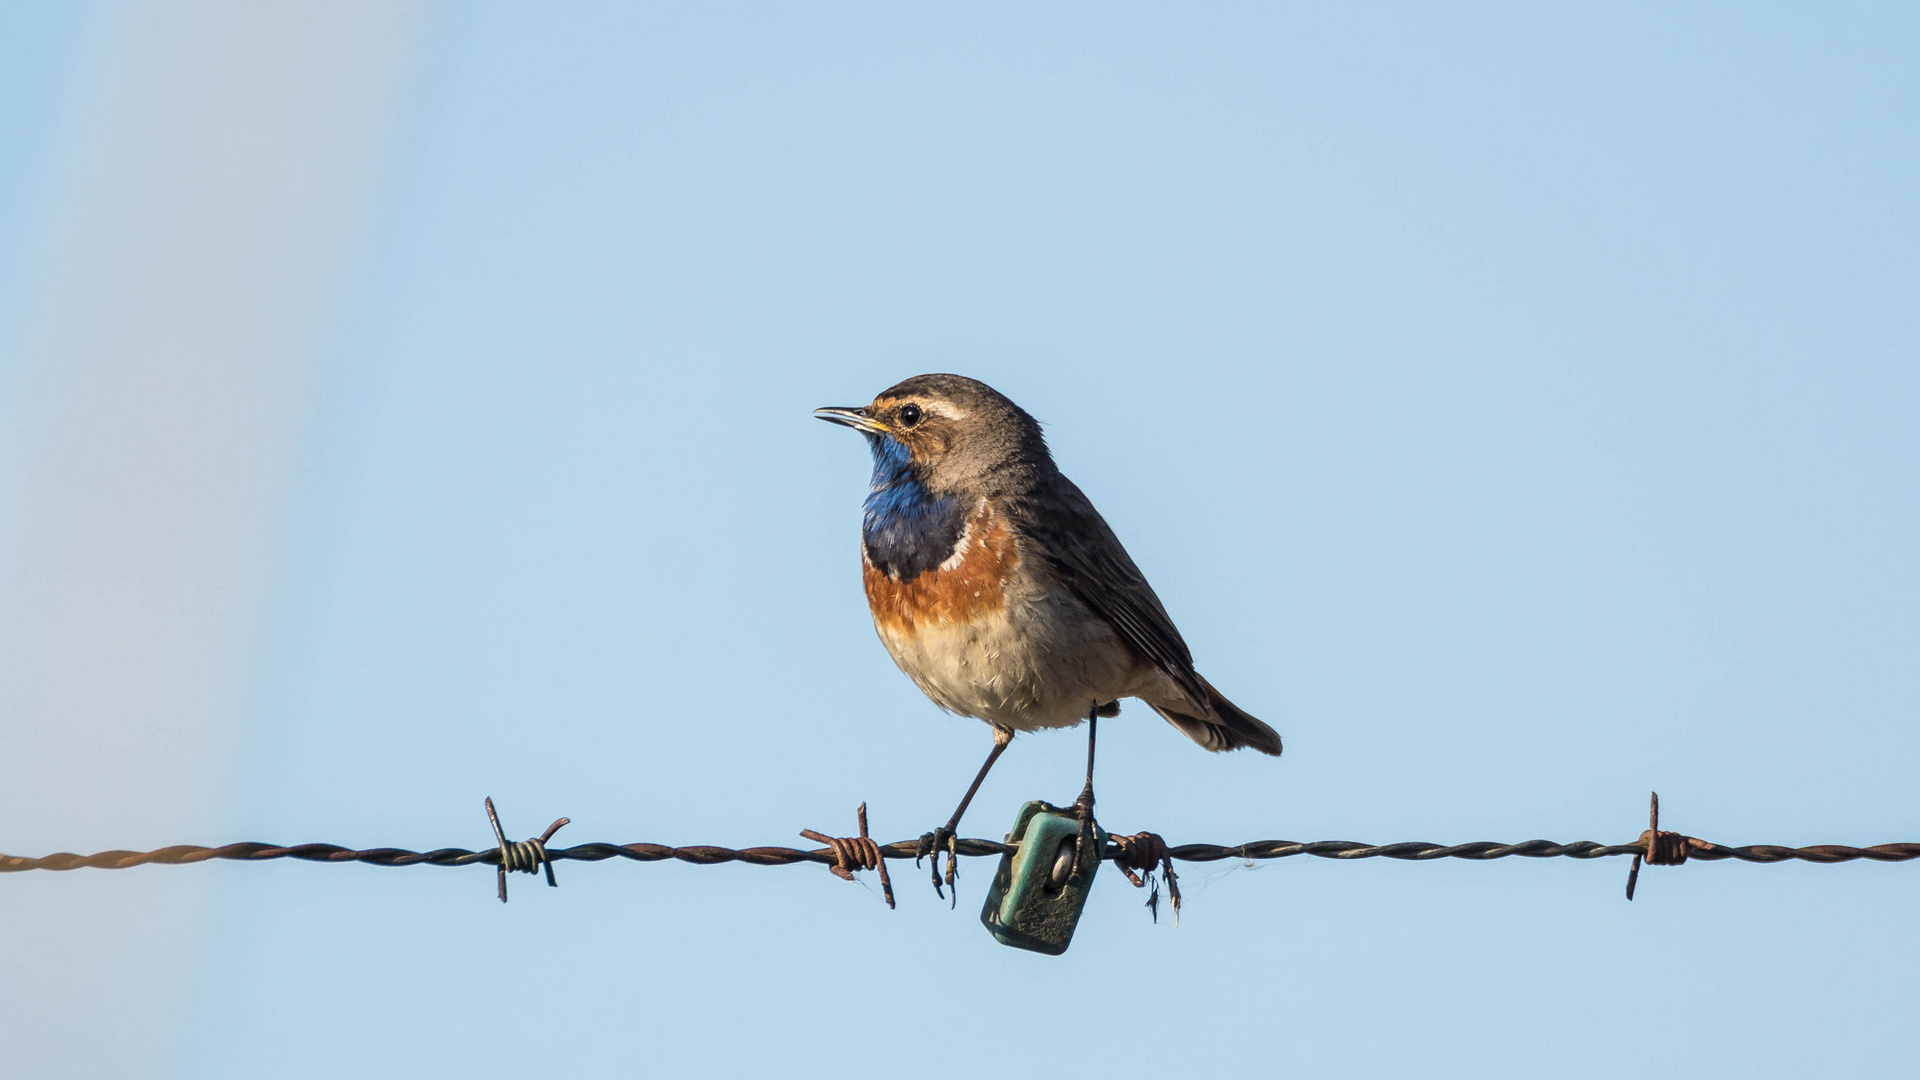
{"type": "Point", "coordinates": [1049, 673]}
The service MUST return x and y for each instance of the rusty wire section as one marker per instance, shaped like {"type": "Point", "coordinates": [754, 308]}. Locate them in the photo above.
{"type": "Point", "coordinates": [851, 853]}
{"type": "Point", "coordinates": [845, 855]}
{"type": "Point", "coordinates": [1139, 855]}
{"type": "Point", "coordinates": [1662, 848]}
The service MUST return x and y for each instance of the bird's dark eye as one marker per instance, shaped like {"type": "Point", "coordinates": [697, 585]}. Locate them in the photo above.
{"type": "Point", "coordinates": [909, 415]}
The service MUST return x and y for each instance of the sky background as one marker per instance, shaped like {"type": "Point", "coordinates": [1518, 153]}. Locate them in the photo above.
{"type": "Point", "coordinates": [402, 405]}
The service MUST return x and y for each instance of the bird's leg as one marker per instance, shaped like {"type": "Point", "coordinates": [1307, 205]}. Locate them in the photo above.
{"type": "Point", "coordinates": [944, 836]}
{"type": "Point", "coordinates": [1083, 806]}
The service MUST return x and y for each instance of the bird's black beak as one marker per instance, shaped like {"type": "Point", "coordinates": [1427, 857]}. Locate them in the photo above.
{"type": "Point", "coordinates": [857, 419]}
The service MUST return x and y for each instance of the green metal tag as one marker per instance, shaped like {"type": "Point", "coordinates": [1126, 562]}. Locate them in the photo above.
{"type": "Point", "coordinates": [1039, 890]}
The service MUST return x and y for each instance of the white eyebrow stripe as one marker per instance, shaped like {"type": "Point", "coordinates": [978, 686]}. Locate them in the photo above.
{"type": "Point", "coordinates": [945, 410]}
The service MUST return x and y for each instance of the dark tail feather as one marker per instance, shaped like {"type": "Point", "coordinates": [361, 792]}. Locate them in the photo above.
{"type": "Point", "coordinates": [1227, 729]}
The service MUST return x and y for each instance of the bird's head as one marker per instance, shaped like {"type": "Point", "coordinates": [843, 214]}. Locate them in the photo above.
{"type": "Point", "coordinates": [949, 433]}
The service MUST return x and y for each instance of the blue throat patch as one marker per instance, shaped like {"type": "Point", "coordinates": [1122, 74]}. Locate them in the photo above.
{"type": "Point", "coordinates": [908, 530]}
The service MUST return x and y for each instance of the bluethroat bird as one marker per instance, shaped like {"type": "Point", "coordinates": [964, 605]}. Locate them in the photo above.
{"type": "Point", "coordinates": [1002, 593]}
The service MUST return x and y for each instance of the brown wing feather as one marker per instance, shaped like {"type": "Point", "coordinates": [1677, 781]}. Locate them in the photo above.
{"type": "Point", "coordinates": [1080, 548]}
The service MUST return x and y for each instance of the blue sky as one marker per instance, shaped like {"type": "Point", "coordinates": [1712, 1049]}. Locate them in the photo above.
{"type": "Point", "coordinates": [1515, 408]}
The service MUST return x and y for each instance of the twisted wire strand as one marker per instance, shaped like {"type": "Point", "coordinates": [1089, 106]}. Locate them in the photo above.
{"type": "Point", "coordinates": [707, 855]}
{"type": "Point", "coordinates": [526, 856]}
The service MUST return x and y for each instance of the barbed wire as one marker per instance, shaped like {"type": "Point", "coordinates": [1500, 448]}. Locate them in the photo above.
{"type": "Point", "coordinates": [847, 854]}
{"type": "Point", "coordinates": [707, 855]}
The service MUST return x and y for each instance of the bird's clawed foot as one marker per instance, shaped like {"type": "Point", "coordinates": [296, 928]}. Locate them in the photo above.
{"type": "Point", "coordinates": [943, 838]}
{"type": "Point", "coordinates": [933, 844]}
{"type": "Point", "coordinates": [1083, 809]}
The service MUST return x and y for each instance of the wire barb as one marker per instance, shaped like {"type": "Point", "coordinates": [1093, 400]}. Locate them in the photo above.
{"type": "Point", "coordinates": [1140, 854]}
{"type": "Point", "coordinates": [1660, 848]}
{"type": "Point", "coordinates": [851, 853]}
{"type": "Point", "coordinates": [526, 856]}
